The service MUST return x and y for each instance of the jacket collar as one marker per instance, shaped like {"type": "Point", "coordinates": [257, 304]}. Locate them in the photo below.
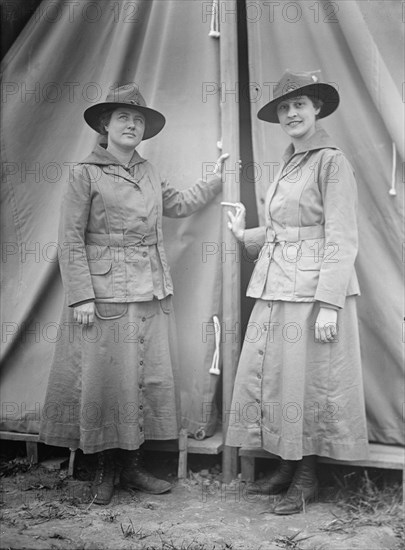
{"type": "Point", "coordinates": [319, 140]}
{"type": "Point", "coordinates": [102, 157]}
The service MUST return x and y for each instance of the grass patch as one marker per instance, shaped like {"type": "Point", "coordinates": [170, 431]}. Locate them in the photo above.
{"type": "Point", "coordinates": [367, 502]}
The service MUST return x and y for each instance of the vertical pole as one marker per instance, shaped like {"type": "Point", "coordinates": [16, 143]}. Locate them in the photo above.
{"type": "Point", "coordinates": [229, 247]}
{"type": "Point", "coordinates": [32, 451]}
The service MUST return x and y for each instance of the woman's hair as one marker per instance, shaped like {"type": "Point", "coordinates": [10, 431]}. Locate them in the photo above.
{"type": "Point", "coordinates": [104, 120]}
{"type": "Point", "coordinates": [317, 103]}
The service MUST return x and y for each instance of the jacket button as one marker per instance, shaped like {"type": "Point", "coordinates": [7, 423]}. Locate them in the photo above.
{"type": "Point", "coordinates": [141, 362]}
{"type": "Point", "coordinates": [261, 352]}
{"type": "Point", "coordinates": [143, 319]}
{"type": "Point", "coordinates": [141, 340]}
{"type": "Point", "coordinates": [144, 254]}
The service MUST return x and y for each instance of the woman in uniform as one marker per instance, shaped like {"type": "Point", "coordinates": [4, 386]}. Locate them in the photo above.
{"type": "Point", "coordinates": [298, 390]}
{"type": "Point", "coordinates": [114, 380]}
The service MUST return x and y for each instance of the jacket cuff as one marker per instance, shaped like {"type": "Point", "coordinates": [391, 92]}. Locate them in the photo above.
{"type": "Point", "coordinates": [330, 306]}
{"type": "Point", "coordinates": [330, 298]}
{"type": "Point", "coordinates": [82, 302]}
{"type": "Point", "coordinates": [77, 296]}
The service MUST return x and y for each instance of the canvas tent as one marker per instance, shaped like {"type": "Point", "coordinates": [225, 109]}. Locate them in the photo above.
{"type": "Point", "coordinates": [62, 63]}
{"type": "Point", "coordinates": [359, 46]}
{"type": "Point", "coordinates": [65, 59]}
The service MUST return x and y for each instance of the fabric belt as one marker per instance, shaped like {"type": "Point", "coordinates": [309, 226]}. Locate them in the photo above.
{"type": "Point", "coordinates": [294, 234]}
{"type": "Point", "coordinates": [119, 239]}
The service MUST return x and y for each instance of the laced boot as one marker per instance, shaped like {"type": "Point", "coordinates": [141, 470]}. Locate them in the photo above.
{"type": "Point", "coordinates": [134, 476]}
{"type": "Point", "coordinates": [303, 489]}
{"type": "Point", "coordinates": [102, 487]}
{"type": "Point", "coordinates": [278, 482]}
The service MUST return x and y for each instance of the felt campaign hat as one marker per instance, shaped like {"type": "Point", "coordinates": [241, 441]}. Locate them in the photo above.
{"type": "Point", "coordinates": [129, 96]}
{"type": "Point", "coordinates": [299, 84]}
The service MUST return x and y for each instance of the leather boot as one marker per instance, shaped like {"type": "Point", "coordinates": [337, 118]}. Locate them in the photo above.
{"type": "Point", "coordinates": [303, 488]}
{"type": "Point", "coordinates": [134, 476]}
{"type": "Point", "coordinates": [102, 487]}
{"type": "Point", "coordinates": [278, 482]}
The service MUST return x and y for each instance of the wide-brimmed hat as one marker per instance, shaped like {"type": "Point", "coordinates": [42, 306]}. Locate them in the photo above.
{"type": "Point", "coordinates": [298, 84]}
{"type": "Point", "coordinates": [130, 96]}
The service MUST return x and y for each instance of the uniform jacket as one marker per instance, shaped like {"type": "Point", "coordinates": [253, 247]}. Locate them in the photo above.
{"type": "Point", "coordinates": [309, 242]}
{"type": "Point", "coordinates": [106, 235]}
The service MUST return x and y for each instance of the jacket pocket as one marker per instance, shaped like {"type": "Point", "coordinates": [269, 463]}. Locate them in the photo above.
{"type": "Point", "coordinates": [306, 282]}
{"type": "Point", "coordinates": [310, 255]}
{"type": "Point", "coordinates": [100, 266]}
{"type": "Point", "coordinates": [166, 304]}
{"type": "Point", "coordinates": [110, 310]}
{"type": "Point", "coordinates": [309, 262]}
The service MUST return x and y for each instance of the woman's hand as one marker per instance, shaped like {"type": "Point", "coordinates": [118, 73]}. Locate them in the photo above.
{"type": "Point", "coordinates": [237, 221]}
{"type": "Point", "coordinates": [326, 325]}
{"type": "Point", "coordinates": [84, 314]}
{"type": "Point", "coordinates": [219, 164]}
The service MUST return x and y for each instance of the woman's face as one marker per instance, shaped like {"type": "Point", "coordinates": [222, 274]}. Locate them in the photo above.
{"type": "Point", "coordinates": [126, 128]}
{"type": "Point", "coordinates": [297, 116]}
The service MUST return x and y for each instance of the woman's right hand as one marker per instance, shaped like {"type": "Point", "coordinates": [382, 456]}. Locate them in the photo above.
{"type": "Point", "coordinates": [237, 221]}
{"type": "Point", "coordinates": [84, 313]}
{"type": "Point", "coordinates": [218, 166]}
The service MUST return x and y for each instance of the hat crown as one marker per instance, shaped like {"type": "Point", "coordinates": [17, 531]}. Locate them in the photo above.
{"type": "Point", "coordinates": [128, 94]}
{"type": "Point", "coordinates": [294, 81]}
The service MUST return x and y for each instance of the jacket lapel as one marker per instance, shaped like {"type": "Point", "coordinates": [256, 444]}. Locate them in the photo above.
{"type": "Point", "coordinates": [117, 172]}
{"type": "Point", "coordinates": [154, 181]}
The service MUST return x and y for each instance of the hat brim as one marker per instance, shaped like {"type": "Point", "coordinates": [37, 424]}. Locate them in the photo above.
{"type": "Point", "coordinates": [154, 121]}
{"type": "Point", "coordinates": [327, 93]}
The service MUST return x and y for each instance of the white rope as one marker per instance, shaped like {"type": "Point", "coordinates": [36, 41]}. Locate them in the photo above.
{"type": "Point", "coordinates": [393, 191]}
{"type": "Point", "coordinates": [215, 359]}
{"type": "Point", "coordinates": [214, 27]}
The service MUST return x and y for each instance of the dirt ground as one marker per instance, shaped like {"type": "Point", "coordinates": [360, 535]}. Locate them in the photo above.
{"type": "Point", "coordinates": [42, 508]}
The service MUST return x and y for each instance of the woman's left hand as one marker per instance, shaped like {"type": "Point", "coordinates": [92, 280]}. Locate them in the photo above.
{"type": "Point", "coordinates": [326, 325]}
{"type": "Point", "coordinates": [237, 221]}
{"type": "Point", "coordinates": [220, 162]}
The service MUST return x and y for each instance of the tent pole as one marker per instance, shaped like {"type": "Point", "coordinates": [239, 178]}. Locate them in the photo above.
{"type": "Point", "coordinates": [230, 253]}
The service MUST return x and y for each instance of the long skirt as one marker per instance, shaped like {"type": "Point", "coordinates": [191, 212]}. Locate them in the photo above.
{"type": "Point", "coordinates": [294, 396]}
{"type": "Point", "coordinates": [114, 384]}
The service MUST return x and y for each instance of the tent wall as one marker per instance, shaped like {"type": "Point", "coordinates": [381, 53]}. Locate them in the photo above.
{"type": "Point", "coordinates": [64, 61]}
{"type": "Point", "coordinates": [349, 42]}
